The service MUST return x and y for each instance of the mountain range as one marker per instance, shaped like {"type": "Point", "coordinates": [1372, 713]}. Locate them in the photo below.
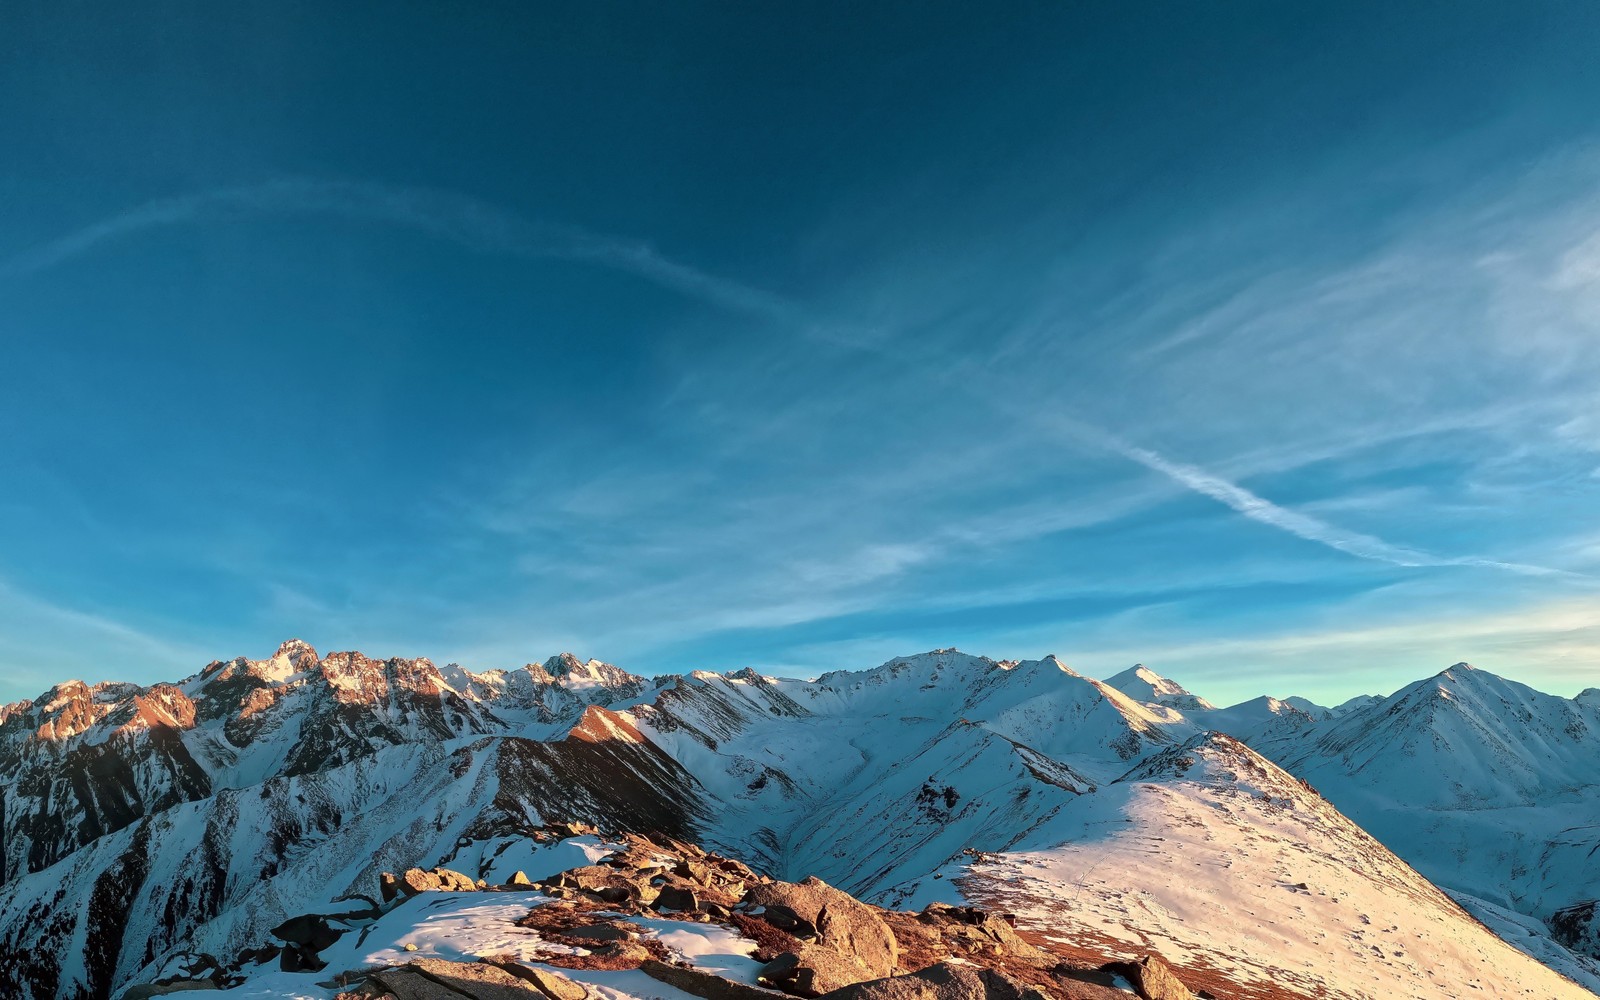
{"type": "Point", "coordinates": [1436, 842]}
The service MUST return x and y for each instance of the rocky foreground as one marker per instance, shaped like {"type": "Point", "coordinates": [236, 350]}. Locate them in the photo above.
{"type": "Point", "coordinates": [690, 922]}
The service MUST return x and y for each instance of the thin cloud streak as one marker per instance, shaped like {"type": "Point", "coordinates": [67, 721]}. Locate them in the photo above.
{"type": "Point", "coordinates": [1312, 529]}
{"type": "Point", "coordinates": [475, 225]}
{"type": "Point", "coordinates": [1236, 497]}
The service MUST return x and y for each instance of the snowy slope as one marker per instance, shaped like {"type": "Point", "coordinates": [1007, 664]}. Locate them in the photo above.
{"type": "Point", "coordinates": [810, 774]}
{"type": "Point", "coordinates": [144, 823]}
{"type": "Point", "coordinates": [1213, 856]}
{"type": "Point", "coordinates": [1487, 786]}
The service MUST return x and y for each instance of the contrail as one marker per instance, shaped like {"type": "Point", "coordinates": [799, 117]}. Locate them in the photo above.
{"type": "Point", "coordinates": [475, 225]}
{"type": "Point", "coordinates": [1312, 529]}
{"type": "Point", "coordinates": [1251, 505]}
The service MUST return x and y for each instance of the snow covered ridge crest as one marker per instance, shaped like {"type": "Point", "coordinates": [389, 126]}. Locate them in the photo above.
{"type": "Point", "coordinates": [145, 824]}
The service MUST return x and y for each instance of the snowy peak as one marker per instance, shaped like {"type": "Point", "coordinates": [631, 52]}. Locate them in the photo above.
{"type": "Point", "coordinates": [1141, 683]}
{"type": "Point", "coordinates": [1481, 739]}
{"type": "Point", "coordinates": [1309, 707]}
{"type": "Point", "coordinates": [296, 654]}
{"type": "Point", "coordinates": [1360, 701]}
{"type": "Point", "coordinates": [578, 674]}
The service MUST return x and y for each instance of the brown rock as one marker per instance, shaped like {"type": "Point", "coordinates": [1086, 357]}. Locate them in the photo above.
{"type": "Point", "coordinates": [520, 878]}
{"type": "Point", "coordinates": [416, 880]}
{"type": "Point", "coordinates": [607, 884]}
{"type": "Point", "coordinates": [622, 954]}
{"type": "Point", "coordinates": [1152, 979]}
{"type": "Point", "coordinates": [940, 982]}
{"type": "Point", "coordinates": [705, 984]}
{"type": "Point", "coordinates": [738, 869]}
{"type": "Point", "coordinates": [674, 897]}
{"type": "Point", "coordinates": [407, 985]}
{"type": "Point", "coordinates": [837, 919]}
{"type": "Point", "coordinates": [694, 871]}
{"type": "Point", "coordinates": [601, 932]}
{"type": "Point", "coordinates": [969, 930]}
{"type": "Point", "coordinates": [552, 984]}
{"type": "Point", "coordinates": [454, 881]}
{"type": "Point", "coordinates": [812, 970]}
{"type": "Point", "coordinates": [436, 979]}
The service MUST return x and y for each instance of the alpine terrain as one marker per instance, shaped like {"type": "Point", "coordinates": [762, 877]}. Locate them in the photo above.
{"type": "Point", "coordinates": [940, 826]}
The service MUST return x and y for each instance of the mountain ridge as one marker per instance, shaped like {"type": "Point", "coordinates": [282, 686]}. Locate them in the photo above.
{"type": "Point", "coordinates": [891, 782]}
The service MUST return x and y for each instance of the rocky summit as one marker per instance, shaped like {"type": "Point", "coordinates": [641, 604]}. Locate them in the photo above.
{"type": "Point", "coordinates": [942, 825]}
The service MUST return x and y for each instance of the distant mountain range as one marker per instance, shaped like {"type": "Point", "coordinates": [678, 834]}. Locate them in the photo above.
{"type": "Point", "coordinates": [1276, 846]}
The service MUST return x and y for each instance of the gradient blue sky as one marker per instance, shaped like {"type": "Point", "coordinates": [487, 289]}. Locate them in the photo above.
{"type": "Point", "coordinates": [1256, 341]}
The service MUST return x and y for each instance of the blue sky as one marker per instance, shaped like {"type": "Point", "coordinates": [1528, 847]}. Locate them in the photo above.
{"type": "Point", "coordinates": [1258, 342]}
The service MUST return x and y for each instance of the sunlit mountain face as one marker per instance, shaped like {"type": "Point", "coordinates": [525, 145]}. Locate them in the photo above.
{"type": "Point", "coordinates": [171, 833]}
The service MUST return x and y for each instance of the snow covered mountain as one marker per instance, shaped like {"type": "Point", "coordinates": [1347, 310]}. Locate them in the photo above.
{"type": "Point", "coordinates": [1489, 788]}
{"type": "Point", "coordinates": [148, 826]}
{"type": "Point", "coordinates": [1143, 684]}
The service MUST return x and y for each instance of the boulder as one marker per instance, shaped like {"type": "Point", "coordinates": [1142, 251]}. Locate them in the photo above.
{"type": "Point", "coordinates": [309, 930]}
{"type": "Point", "coordinates": [940, 982]}
{"type": "Point", "coordinates": [404, 984]}
{"type": "Point", "coordinates": [436, 979]}
{"type": "Point", "coordinates": [388, 886]}
{"type": "Point", "coordinates": [622, 954]}
{"type": "Point", "coordinates": [454, 881]}
{"type": "Point", "coordinates": [706, 985]}
{"type": "Point", "coordinates": [969, 930]}
{"type": "Point", "coordinates": [1152, 979]}
{"type": "Point", "coordinates": [520, 878]}
{"type": "Point", "coordinates": [547, 981]}
{"type": "Point", "coordinates": [607, 884]}
{"type": "Point", "coordinates": [738, 869]}
{"type": "Point", "coordinates": [257, 956]}
{"type": "Point", "coordinates": [673, 897]}
{"type": "Point", "coordinates": [694, 871]}
{"type": "Point", "coordinates": [837, 919]}
{"type": "Point", "coordinates": [415, 881]}
{"type": "Point", "coordinates": [299, 958]}
{"type": "Point", "coordinates": [812, 970]}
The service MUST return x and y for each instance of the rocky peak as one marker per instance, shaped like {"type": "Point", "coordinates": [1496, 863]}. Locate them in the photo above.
{"type": "Point", "coordinates": [575, 673]}
{"type": "Point", "coordinates": [297, 653]}
{"type": "Point", "coordinates": [65, 711]}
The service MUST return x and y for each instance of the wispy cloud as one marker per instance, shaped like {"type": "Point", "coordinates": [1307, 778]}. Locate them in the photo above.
{"type": "Point", "coordinates": [468, 222]}
{"type": "Point", "coordinates": [43, 643]}
{"type": "Point", "coordinates": [1301, 525]}
{"type": "Point", "coordinates": [486, 228]}
{"type": "Point", "coordinates": [1236, 497]}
